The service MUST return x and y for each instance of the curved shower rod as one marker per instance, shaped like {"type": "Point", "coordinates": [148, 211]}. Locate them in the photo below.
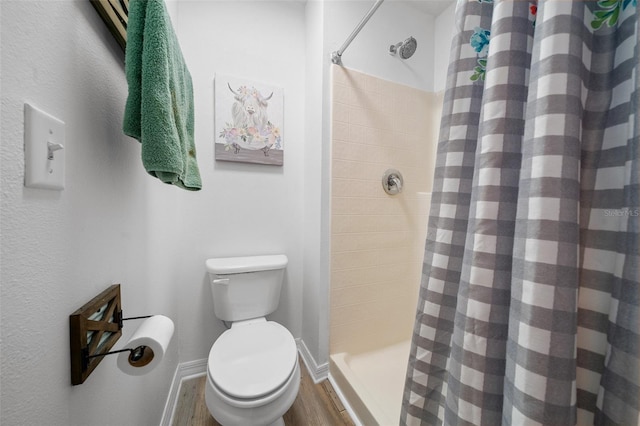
{"type": "Point", "coordinates": [336, 57]}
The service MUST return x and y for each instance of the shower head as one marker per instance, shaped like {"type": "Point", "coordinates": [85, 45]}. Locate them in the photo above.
{"type": "Point", "coordinates": [405, 49]}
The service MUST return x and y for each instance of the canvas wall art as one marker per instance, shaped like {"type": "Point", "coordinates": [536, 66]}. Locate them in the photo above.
{"type": "Point", "coordinates": [248, 120]}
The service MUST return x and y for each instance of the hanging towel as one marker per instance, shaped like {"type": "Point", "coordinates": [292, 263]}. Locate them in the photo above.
{"type": "Point", "coordinates": [159, 108]}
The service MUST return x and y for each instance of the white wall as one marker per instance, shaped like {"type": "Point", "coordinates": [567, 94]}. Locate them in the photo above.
{"type": "Point", "coordinates": [114, 223]}
{"type": "Point", "coordinates": [243, 209]}
{"type": "Point", "coordinates": [392, 23]}
{"type": "Point", "coordinates": [443, 35]}
{"type": "Point", "coordinates": [59, 249]}
{"type": "Point", "coordinates": [315, 301]}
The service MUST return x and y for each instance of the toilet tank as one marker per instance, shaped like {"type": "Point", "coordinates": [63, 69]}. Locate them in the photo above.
{"type": "Point", "coordinates": [245, 287]}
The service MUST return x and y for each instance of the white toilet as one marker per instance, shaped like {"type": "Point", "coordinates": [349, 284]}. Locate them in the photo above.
{"type": "Point", "coordinates": [253, 374]}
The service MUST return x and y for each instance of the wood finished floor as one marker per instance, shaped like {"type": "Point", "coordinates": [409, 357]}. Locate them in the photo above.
{"type": "Point", "coordinates": [315, 405]}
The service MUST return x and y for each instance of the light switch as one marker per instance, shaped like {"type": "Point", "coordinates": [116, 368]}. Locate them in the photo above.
{"type": "Point", "coordinates": [43, 149]}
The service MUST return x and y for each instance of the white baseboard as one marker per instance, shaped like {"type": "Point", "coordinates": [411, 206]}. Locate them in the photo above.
{"type": "Point", "coordinates": [184, 371]}
{"type": "Point", "coordinates": [317, 372]}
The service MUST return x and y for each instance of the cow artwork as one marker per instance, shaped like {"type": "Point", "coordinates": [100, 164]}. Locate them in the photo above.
{"type": "Point", "coordinates": [248, 133]}
{"type": "Point", "coordinates": [250, 107]}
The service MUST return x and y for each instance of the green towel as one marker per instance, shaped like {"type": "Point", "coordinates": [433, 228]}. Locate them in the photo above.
{"type": "Point", "coordinates": [159, 109]}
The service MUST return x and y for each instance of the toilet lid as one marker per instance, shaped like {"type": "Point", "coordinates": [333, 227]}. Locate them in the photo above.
{"type": "Point", "coordinates": [252, 360]}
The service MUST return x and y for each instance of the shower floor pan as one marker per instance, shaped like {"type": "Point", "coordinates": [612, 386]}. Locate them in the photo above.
{"type": "Point", "coordinates": [373, 382]}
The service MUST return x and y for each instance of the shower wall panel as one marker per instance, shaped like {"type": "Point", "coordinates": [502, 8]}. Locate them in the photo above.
{"type": "Point", "coordinates": [377, 239]}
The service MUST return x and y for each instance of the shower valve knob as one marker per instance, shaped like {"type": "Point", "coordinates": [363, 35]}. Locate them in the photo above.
{"type": "Point", "coordinates": [392, 182]}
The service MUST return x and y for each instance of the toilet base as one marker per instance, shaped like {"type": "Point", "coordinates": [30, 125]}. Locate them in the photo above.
{"type": "Point", "coordinates": [269, 414]}
{"type": "Point", "coordinates": [279, 422]}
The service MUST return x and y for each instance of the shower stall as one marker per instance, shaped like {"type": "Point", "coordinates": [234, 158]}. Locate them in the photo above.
{"type": "Point", "coordinates": [377, 239]}
{"type": "Point", "coordinates": [383, 139]}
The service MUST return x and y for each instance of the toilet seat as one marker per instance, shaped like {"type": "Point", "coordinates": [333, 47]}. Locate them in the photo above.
{"type": "Point", "coordinates": [250, 361]}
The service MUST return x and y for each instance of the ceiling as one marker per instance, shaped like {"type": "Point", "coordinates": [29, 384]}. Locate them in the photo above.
{"type": "Point", "coordinates": [431, 7]}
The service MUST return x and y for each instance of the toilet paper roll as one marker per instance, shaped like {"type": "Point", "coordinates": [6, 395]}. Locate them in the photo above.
{"type": "Point", "coordinates": [150, 342]}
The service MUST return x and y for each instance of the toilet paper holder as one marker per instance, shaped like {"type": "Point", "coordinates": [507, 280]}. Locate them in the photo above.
{"type": "Point", "coordinates": [94, 329]}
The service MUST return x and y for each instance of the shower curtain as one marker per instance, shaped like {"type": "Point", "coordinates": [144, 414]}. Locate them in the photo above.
{"type": "Point", "coordinates": [528, 308]}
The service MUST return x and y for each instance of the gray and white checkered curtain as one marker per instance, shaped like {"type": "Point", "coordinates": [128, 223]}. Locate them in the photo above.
{"type": "Point", "coordinates": [529, 302]}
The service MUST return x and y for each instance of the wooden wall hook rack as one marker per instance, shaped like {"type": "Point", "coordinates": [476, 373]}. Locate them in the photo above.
{"type": "Point", "coordinates": [115, 14]}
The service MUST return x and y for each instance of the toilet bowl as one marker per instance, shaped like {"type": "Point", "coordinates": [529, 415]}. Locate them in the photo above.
{"type": "Point", "coordinates": [253, 413]}
{"type": "Point", "coordinates": [253, 375]}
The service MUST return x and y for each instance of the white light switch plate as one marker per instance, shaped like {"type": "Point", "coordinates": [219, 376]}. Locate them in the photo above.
{"type": "Point", "coordinates": [41, 129]}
